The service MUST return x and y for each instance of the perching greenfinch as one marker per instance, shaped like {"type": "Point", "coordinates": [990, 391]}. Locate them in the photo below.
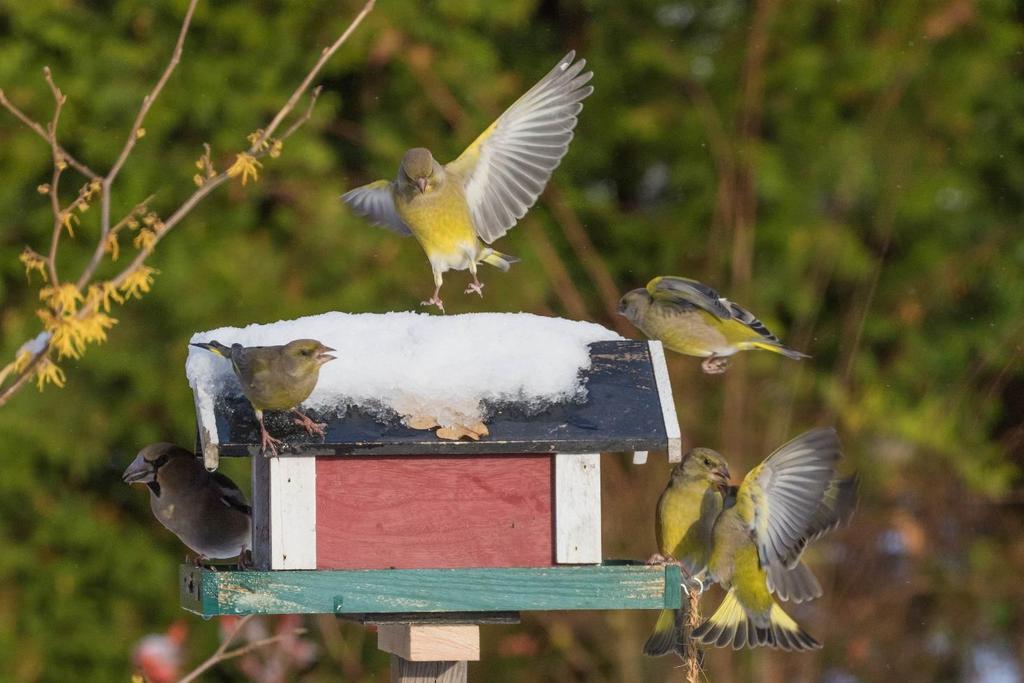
{"type": "Point", "coordinates": [276, 378]}
{"type": "Point", "coordinates": [691, 318]}
{"type": "Point", "coordinates": [686, 512]}
{"type": "Point", "coordinates": [778, 508]}
{"type": "Point", "coordinates": [206, 510]}
{"type": "Point", "coordinates": [455, 210]}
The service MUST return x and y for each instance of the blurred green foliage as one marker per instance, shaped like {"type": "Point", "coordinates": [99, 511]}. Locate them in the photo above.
{"type": "Point", "coordinates": [877, 146]}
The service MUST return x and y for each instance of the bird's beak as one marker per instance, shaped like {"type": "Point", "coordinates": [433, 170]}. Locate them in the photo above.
{"type": "Point", "coordinates": [720, 475]}
{"type": "Point", "coordinates": [139, 472]}
{"type": "Point", "coordinates": [421, 183]}
{"type": "Point", "coordinates": [323, 354]}
{"type": "Point", "coordinates": [213, 347]}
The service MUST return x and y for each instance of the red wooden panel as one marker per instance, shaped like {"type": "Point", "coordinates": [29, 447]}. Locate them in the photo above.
{"type": "Point", "coordinates": [413, 512]}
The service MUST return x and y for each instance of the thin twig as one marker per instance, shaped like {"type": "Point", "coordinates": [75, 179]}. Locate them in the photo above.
{"type": "Point", "coordinates": [222, 653]}
{"type": "Point", "coordinates": [301, 121]}
{"type": "Point", "coordinates": [326, 54]}
{"type": "Point", "coordinates": [133, 134]}
{"type": "Point", "coordinates": [24, 375]}
{"type": "Point", "coordinates": [58, 168]}
{"type": "Point", "coordinates": [41, 132]}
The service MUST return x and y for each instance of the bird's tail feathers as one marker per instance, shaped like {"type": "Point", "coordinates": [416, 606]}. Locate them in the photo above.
{"type": "Point", "coordinates": [499, 260]}
{"type": "Point", "coordinates": [732, 625]}
{"type": "Point", "coordinates": [780, 349]}
{"type": "Point", "coordinates": [214, 347]}
{"type": "Point", "coordinates": [667, 634]}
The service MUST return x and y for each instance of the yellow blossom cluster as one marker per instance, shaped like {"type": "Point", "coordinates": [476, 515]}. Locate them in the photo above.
{"type": "Point", "coordinates": [205, 166]}
{"type": "Point", "coordinates": [138, 282]}
{"type": "Point", "coordinates": [33, 260]}
{"type": "Point", "coordinates": [246, 166]}
{"type": "Point", "coordinates": [70, 334]}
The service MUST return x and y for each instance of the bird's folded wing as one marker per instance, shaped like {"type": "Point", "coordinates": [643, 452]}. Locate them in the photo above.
{"type": "Point", "coordinates": [230, 494]}
{"type": "Point", "coordinates": [681, 290]}
{"type": "Point", "coordinates": [507, 167]}
{"type": "Point", "coordinates": [376, 203]}
{"type": "Point", "coordinates": [785, 491]}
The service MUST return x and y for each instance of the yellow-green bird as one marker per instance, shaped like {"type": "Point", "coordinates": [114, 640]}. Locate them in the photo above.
{"type": "Point", "coordinates": [686, 513]}
{"type": "Point", "coordinates": [276, 378]}
{"type": "Point", "coordinates": [691, 318]}
{"type": "Point", "coordinates": [778, 509]}
{"type": "Point", "coordinates": [457, 209]}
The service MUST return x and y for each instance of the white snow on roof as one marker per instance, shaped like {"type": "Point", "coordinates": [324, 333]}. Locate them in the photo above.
{"type": "Point", "coordinates": [416, 364]}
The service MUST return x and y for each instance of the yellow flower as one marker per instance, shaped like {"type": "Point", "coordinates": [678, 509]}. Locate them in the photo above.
{"type": "Point", "coordinates": [100, 296]}
{"type": "Point", "coordinates": [48, 373]}
{"type": "Point", "coordinates": [246, 166]}
{"type": "Point", "coordinates": [33, 261]}
{"type": "Point", "coordinates": [257, 141]}
{"type": "Point", "coordinates": [275, 149]}
{"type": "Point", "coordinates": [69, 220]}
{"type": "Point", "coordinates": [112, 246]}
{"type": "Point", "coordinates": [138, 282]}
{"type": "Point", "coordinates": [92, 328]}
{"type": "Point", "coordinates": [64, 298]}
{"type": "Point", "coordinates": [71, 334]}
{"type": "Point", "coordinates": [145, 239]}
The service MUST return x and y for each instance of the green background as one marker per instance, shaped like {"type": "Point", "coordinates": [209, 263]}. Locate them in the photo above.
{"type": "Point", "coordinates": [851, 171]}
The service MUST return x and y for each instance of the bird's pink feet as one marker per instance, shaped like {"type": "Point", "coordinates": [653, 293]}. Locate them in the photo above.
{"type": "Point", "coordinates": [475, 287]}
{"type": "Point", "coordinates": [314, 428]}
{"type": "Point", "coordinates": [434, 301]}
{"type": "Point", "coordinates": [268, 444]}
{"type": "Point", "coordinates": [657, 558]}
{"type": "Point", "coordinates": [715, 365]}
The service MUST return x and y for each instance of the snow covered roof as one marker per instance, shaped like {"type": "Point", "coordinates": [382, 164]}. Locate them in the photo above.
{"type": "Point", "coordinates": [529, 378]}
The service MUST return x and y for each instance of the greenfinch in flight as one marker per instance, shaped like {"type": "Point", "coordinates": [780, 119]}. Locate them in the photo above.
{"type": "Point", "coordinates": [693, 319]}
{"type": "Point", "coordinates": [686, 513]}
{"type": "Point", "coordinates": [780, 505]}
{"type": "Point", "coordinates": [206, 510]}
{"type": "Point", "coordinates": [456, 210]}
{"type": "Point", "coordinates": [276, 378]}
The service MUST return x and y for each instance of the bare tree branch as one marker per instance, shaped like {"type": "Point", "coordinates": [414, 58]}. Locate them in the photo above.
{"type": "Point", "coordinates": [41, 132]}
{"type": "Point", "coordinates": [262, 143]}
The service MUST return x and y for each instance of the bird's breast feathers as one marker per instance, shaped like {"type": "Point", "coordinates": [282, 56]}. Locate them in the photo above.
{"type": "Point", "coordinates": [441, 223]}
{"type": "Point", "coordinates": [691, 331]}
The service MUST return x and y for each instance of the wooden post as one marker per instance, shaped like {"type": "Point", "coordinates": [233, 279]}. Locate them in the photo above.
{"type": "Point", "coordinates": [403, 671]}
{"type": "Point", "coordinates": [425, 653]}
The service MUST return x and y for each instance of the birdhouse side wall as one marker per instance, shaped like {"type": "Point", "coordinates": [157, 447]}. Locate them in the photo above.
{"type": "Point", "coordinates": [416, 512]}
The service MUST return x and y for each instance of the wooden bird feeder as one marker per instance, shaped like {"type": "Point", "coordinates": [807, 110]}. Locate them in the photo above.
{"type": "Point", "coordinates": [428, 538]}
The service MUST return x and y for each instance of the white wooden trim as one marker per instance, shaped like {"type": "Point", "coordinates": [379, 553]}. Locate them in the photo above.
{"type": "Point", "coordinates": [207, 427]}
{"type": "Point", "coordinates": [292, 513]}
{"type": "Point", "coordinates": [577, 508]}
{"type": "Point", "coordinates": [668, 406]}
{"type": "Point", "coordinates": [639, 457]}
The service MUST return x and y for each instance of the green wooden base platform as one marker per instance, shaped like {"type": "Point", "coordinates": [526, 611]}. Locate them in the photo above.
{"type": "Point", "coordinates": [211, 593]}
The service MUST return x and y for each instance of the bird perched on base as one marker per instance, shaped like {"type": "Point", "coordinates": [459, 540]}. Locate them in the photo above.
{"type": "Point", "coordinates": [693, 319]}
{"type": "Point", "coordinates": [276, 378]}
{"type": "Point", "coordinates": [455, 210]}
{"type": "Point", "coordinates": [686, 513]}
{"type": "Point", "coordinates": [206, 510]}
{"type": "Point", "coordinates": [790, 498]}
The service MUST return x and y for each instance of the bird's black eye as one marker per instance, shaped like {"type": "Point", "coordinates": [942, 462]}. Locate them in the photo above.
{"type": "Point", "coordinates": [707, 461]}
